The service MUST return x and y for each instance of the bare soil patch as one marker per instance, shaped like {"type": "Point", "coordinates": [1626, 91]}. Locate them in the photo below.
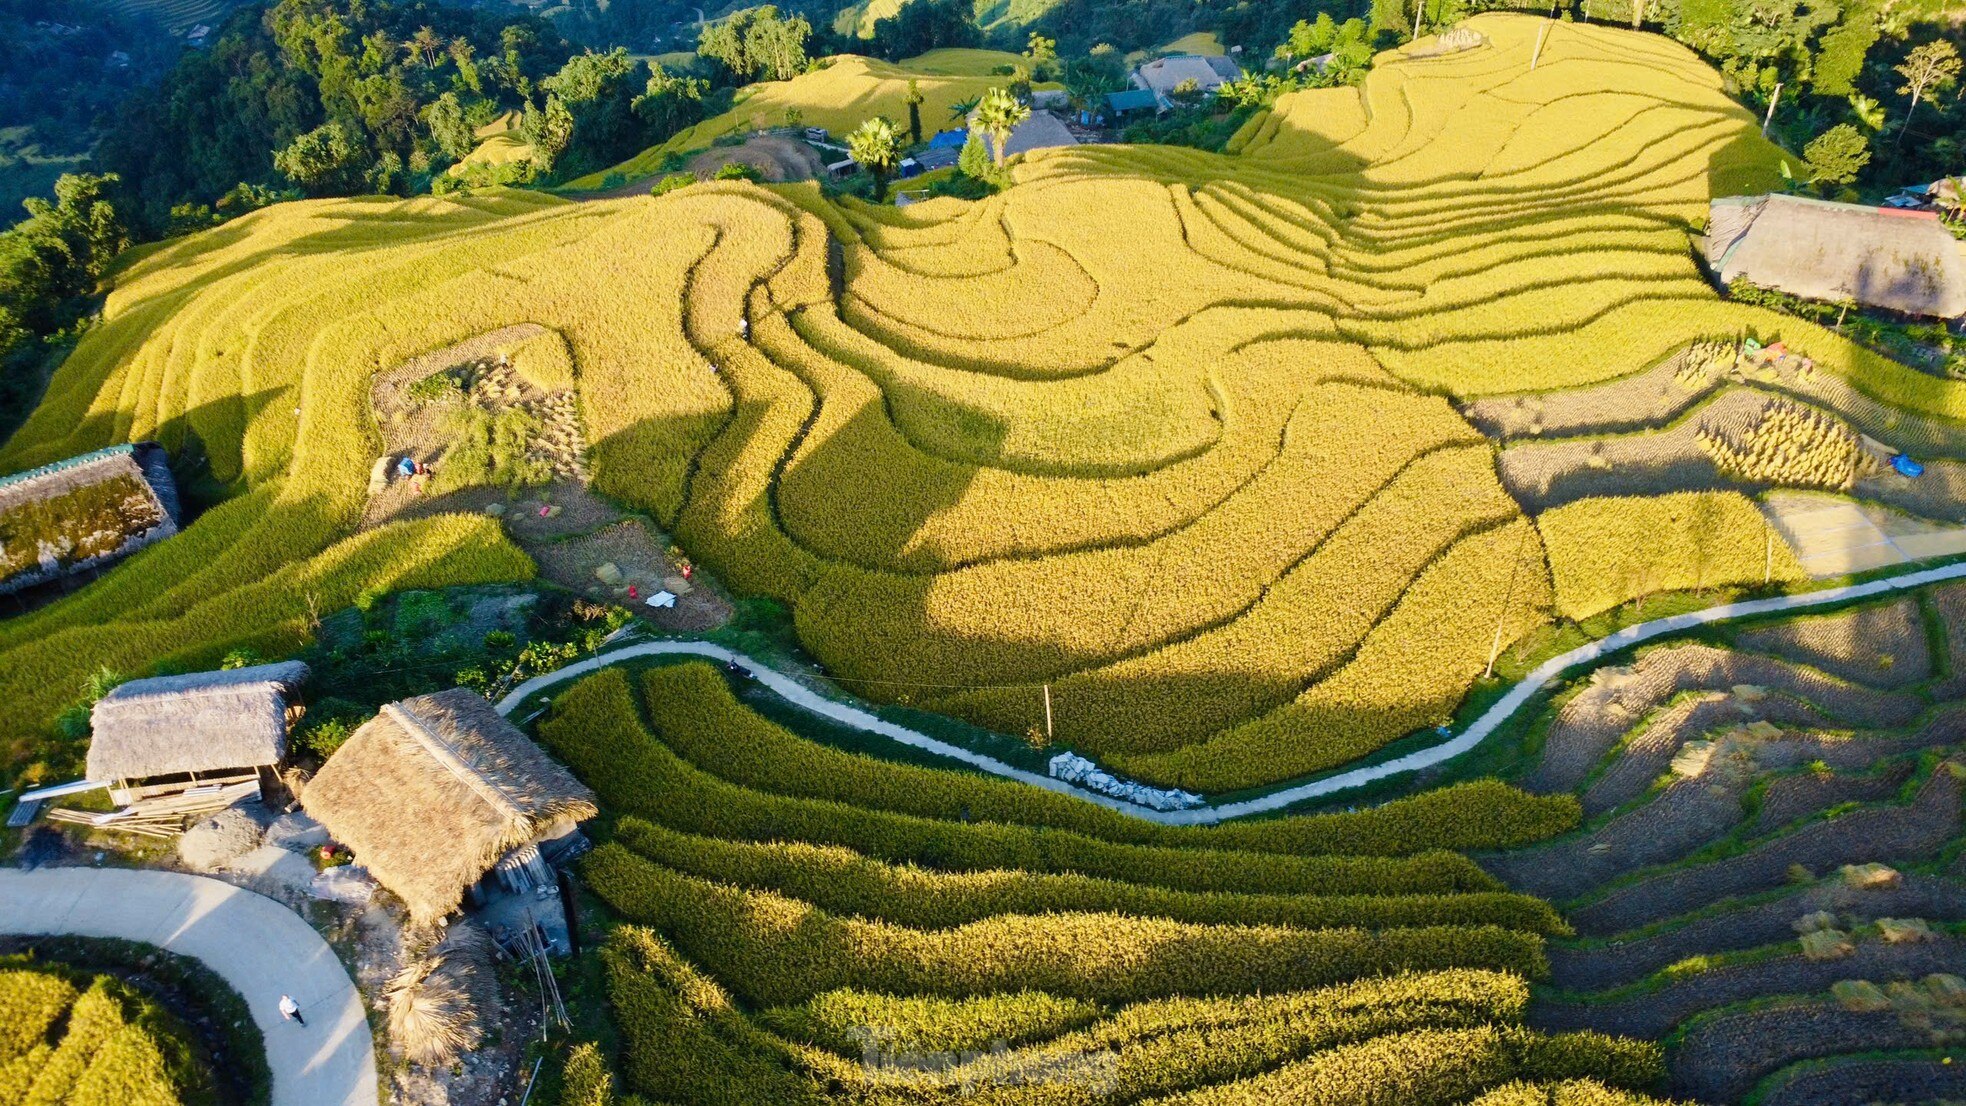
{"type": "Point", "coordinates": [579, 540]}
{"type": "Point", "coordinates": [628, 562]}
{"type": "Point", "coordinates": [779, 158]}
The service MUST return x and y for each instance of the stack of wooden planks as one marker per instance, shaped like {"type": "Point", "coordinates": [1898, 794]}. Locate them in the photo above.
{"type": "Point", "coordinates": [165, 815]}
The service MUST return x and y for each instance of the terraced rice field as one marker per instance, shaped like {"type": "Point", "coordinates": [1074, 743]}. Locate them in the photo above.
{"type": "Point", "coordinates": [1768, 874]}
{"type": "Point", "coordinates": [807, 925]}
{"type": "Point", "coordinates": [178, 15]}
{"type": "Point", "coordinates": [1196, 440]}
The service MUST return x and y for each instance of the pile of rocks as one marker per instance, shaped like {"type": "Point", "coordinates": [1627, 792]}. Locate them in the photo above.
{"type": "Point", "coordinates": [1076, 769]}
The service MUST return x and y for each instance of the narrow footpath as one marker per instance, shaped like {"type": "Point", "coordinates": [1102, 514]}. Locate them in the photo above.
{"type": "Point", "coordinates": [260, 947]}
{"type": "Point", "coordinates": [1446, 749]}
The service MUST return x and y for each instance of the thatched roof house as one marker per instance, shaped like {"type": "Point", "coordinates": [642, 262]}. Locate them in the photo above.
{"type": "Point", "coordinates": [84, 512]}
{"type": "Point", "coordinates": [200, 724]}
{"type": "Point", "coordinates": [1901, 260]}
{"type": "Point", "coordinates": [433, 791]}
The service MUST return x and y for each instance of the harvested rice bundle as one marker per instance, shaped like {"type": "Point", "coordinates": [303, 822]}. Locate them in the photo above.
{"type": "Point", "coordinates": [1790, 444]}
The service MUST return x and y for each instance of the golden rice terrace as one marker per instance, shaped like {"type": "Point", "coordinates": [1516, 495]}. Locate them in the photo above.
{"type": "Point", "coordinates": [1207, 443]}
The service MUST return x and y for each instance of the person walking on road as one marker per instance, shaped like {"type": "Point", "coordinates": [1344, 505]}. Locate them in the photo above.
{"type": "Point", "coordinates": [290, 1010]}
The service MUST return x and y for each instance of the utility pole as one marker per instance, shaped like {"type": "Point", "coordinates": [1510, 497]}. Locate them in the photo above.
{"type": "Point", "coordinates": [1539, 47]}
{"type": "Point", "coordinates": [1047, 714]}
{"type": "Point", "coordinates": [1772, 101]}
{"type": "Point", "coordinates": [1419, 7]}
{"type": "Point", "coordinates": [1495, 646]}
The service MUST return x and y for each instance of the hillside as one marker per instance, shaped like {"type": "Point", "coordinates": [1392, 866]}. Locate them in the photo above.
{"type": "Point", "coordinates": [1174, 433]}
{"type": "Point", "coordinates": [838, 97]}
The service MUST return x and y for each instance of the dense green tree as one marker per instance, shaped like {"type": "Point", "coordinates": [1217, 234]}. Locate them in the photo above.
{"type": "Point", "coordinates": [924, 25]}
{"type": "Point", "coordinates": [448, 127]}
{"type": "Point", "coordinates": [757, 42]}
{"type": "Point", "coordinates": [669, 103]}
{"type": "Point", "coordinates": [328, 160]}
{"type": "Point", "coordinates": [548, 130]}
{"type": "Point", "coordinates": [1844, 47]}
{"type": "Point", "coordinates": [1837, 155]}
{"type": "Point", "coordinates": [50, 263]}
{"type": "Point", "coordinates": [1088, 79]}
{"type": "Point", "coordinates": [274, 75]}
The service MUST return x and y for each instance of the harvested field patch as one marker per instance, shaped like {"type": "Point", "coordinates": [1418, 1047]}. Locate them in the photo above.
{"type": "Point", "coordinates": [1722, 1057]}
{"type": "Point", "coordinates": [1653, 1014]}
{"type": "Point", "coordinates": [1836, 537]}
{"type": "Point", "coordinates": [1602, 966]}
{"type": "Point", "coordinates": [1614, 699]}
{"type": "Point", "coordinates": [1864, 1081]}
{"type": "Point", "coordinates": [1882, 645]}
{"type": "Point", "coordinates": [1887, 832]}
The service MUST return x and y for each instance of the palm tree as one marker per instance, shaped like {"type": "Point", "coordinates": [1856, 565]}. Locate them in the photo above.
{"type": "Point", "coordinates": [424, 44]}
{"type": "Point", "coordinates": [961, 108]}
{"type": "Point", "coordinates": [875, 146]}
{"type": "Point", "coordinates": [998, 114]}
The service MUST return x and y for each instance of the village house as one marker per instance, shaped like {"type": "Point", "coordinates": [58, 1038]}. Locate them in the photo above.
{"type": "Point", "coordinates": [84, 513]}
{"type": "Point", "coordinates": [1164, 77]}
{"type": "Point", "coordinates": [1904, 261]}
{"type": "Point", "coordinates": [445, 802]}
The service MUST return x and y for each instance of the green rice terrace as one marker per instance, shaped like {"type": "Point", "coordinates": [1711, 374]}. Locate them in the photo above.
{"type": "Point", "coordinates": [1435, 582]}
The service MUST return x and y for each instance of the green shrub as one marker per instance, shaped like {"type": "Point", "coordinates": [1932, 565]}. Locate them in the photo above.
{"type": "Point", "coordinates": [672, 182]}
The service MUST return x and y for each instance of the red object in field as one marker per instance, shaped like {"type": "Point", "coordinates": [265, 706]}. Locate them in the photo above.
{"type": "Point", "coordinates": [631, 591]}
{"type": "Point", "coordinates": [545, 512]}
{"type": "Point", "coordinates": [687, 569]}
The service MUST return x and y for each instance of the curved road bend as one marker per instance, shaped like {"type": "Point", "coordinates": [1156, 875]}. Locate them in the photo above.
{"type": "Point", "coordinates": [1446, 749]}
{"type": "Point", "coordinates": [260, 947]}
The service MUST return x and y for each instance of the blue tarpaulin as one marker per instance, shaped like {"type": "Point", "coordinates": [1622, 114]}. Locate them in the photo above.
{"type": "Point", "coordinates": [1906, 466]}
{"type": "Point", "coordinates": [948, 140]}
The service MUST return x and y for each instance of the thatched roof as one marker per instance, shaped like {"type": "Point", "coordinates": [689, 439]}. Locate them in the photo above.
{"type": "Point", "coordinates": [431, 792]}
{"type": "Point", "coordinates": [142, 522]}
{"type": "Point", "coordinates": [1901, 260]}
{"type": "Point", "coordinates": [193, 723]}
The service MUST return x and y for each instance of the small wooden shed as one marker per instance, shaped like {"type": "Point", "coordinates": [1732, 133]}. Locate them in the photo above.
{"type": "Point", "coordinates": [435, 792]}
{"type": "Point", "coordinates": [169, 734]}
